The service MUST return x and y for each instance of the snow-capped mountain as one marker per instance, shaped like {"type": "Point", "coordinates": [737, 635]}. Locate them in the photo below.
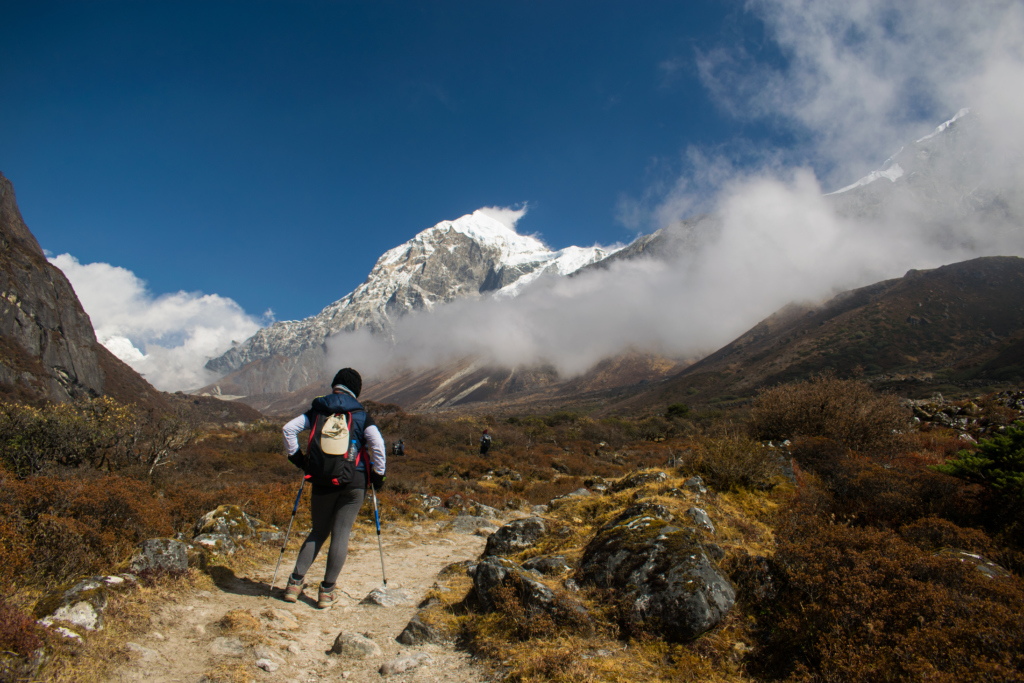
{"type": "Point", "coordinates": [472, 256]}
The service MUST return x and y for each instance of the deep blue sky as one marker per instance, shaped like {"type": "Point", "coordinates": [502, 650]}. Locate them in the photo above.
{"type": "Point", "coordinates": [270, 152]}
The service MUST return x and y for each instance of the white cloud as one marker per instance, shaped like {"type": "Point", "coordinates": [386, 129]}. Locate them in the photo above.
{"type": "Point", "coordinates": [167, 338]}
{"type": "Point", "coordinates": [506, 215]}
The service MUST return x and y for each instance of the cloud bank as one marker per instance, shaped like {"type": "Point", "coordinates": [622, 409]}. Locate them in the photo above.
{"type": "Point", "coordinates": [856, 80]}
{"type": "Point", "coordinates": [166, 338]}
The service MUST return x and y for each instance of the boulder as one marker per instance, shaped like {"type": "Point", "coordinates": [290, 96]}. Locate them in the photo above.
{"type": "Point", "coordinates": [218, 544]}
{"type": "Point", "coordinates": [425, 627]}
{"type": "Point", "coordinates": [664, 574]}
{"type": "Point", "coordinates": [229, 520]}
{"type": "Point", "coordinates": [355, 646]}
{"type": "Point", "coordinates": [515, 536]}
{"type": "Point", "coordinates": [700, 519]}
{"type": "Point", "coordinates": [534, 596]}
{"type": "Point", "coordinates": [538, 509]}
{"type": "Point", "coordinates": [80, 605]}
{"type": "Point", "coordinates": [481, 510]}
{"type": "Point", "coordinates": [695, 485]}
{"type": "Point", "coordinates": [548, 565]}
{"type": "Point", "coordinates": [638, 479]}
{"type": "Point", "coordinates": [160, 555]}
{"type": "Point", "coordinates": [652, 510]}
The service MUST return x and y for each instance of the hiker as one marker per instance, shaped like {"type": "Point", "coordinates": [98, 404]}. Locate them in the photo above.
{"type": "Point", "coordinates": [485, 443]}
{"type": "Point", "coordinates": [398, 448]}
{"type": "Point", "coordinates": [335, 500]}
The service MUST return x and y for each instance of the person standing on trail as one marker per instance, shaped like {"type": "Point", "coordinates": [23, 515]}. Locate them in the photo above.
{"type": "Point", "coordinates": [485, 443]}
{"type": "Point", "coordinates": [344, 453]}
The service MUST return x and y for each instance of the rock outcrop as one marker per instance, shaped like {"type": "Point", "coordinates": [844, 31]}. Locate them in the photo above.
{"type": "Point", "coordinates": [664, 573]}
{"type": "Point", "coordinates": [47, 344]}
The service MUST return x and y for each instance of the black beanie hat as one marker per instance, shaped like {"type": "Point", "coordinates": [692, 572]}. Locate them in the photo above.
{"type": "Point", "coordinates": [350, 379]}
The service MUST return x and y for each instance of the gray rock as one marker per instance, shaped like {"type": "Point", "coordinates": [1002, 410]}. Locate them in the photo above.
{"type": "Point", "coordinates": [456, 568]}
{"type": "Point", "coordinates": [701, 519]}
{"type": "Point", "coordinates": [421, 629]}
{"type": "Point", "coordinates": [160, 555]}
{"type": "Point", "coordinates": [548, 565]}
{"type": "Point", "coordinates": [386, 597]}
{"type": "Point", "coordinates": [467, 524]}
{"type": "Point", "coordinates": [538, 509]}
{"type": "Point", "coordinates": [638, 479]}
{"type": "Point", "coordinates": [515, 536]}
{"type": "Point", "coordinates": [229, 520]}
{"type": "Point", "coordinates": [651, 510]}
{"type": "Point", "coordinates": [355, 646]}
{"type": "Point", "coordinates": [494, 572]}
{"type": "Point", "coordinates": [270, 536]}
{"type": "Point", "coordinates": [982, 564]}
{"type": "Point", "coordinates": [218, 544]}
{"type": "Point", "coordinates": [481, 510]}
{"type": "Point", "coordinates": [695, 485]}
{"type": "Point", "coordinates": [578, 493]}
{"type": "Point", "coordinates": [231, 647]}
{"type": "Point", "coordinates": [663, 573]}
{"type": "Point", "coordinates": [404, 663]}
{"type": "Point", "coordinates": [267, 665]}
{"type": "Point", "coordinates": [80, 605]}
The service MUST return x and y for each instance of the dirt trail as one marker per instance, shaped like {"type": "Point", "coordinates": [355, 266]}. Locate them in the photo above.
{"type": "Point", "coordinates": [186, 642]}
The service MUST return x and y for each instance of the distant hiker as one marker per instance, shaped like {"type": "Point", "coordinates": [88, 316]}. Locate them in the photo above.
{"type": "Point", "coordinates": [398, 448]}
{"type": "Point", "coordinates": [485, 443]}
{"type": "Point", "coordinates": [344, 455]}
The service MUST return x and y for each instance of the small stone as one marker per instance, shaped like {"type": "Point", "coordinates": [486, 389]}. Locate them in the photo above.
{"type": "Point", "coordinates": [293, 648]}
{"type": "Point", "coordinates": [156, 635]}
{"type": "Point", "coordinates": [268, 665]}
{"type": "Point", "coordinates": [396, 666]}
{"type": "Point", "coordinates": [355, 646]}
{"type": "Point", "coordinates": [386, 597]}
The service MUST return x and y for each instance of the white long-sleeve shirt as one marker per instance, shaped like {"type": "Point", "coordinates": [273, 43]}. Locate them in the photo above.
{"type": "Point", "coordinates": [372, 435]}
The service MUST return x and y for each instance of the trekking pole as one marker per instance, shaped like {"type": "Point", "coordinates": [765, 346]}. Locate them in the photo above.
{"type": "Point", "coordinates": [376, 516]}
{"type": "Point", "coordinates": [288, 533]}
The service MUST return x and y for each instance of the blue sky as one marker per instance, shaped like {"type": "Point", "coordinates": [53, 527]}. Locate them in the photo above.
{"type": "Point", "coordinates": [270, 152]}
{"type": "Point", "coordinates": [193, 165]}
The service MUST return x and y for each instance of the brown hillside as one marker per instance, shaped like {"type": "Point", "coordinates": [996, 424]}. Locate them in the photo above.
{"type": "Point", "coordinates": [957, 324]}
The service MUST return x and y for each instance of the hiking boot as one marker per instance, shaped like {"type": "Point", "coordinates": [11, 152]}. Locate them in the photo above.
{"type": "Point", "coordinates": [327, 598]}
{"type": "Point", "coordinates": [293, 591]}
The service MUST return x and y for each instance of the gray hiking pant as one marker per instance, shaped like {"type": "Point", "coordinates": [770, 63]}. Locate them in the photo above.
{"type": "Point", "coordinates": [334, 513]}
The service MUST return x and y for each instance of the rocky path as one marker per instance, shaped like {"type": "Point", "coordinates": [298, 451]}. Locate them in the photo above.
{"type": "Point", "coordinates": [192, 639]}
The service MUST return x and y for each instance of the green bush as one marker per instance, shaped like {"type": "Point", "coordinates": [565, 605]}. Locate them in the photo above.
{"type": "Point", "coordinates": [677, 410]}
{"type": "Point", "coordinates": [998, 463]}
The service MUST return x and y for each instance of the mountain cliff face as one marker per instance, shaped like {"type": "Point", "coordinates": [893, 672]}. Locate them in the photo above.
{"type": "Point", "coordinates": [471, 256]}
{"type": "Point", "coordinates": [47, 344]}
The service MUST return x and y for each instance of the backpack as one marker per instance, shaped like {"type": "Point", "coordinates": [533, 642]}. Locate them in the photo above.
{"type": "Point", "coordinates": [334, 451]}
